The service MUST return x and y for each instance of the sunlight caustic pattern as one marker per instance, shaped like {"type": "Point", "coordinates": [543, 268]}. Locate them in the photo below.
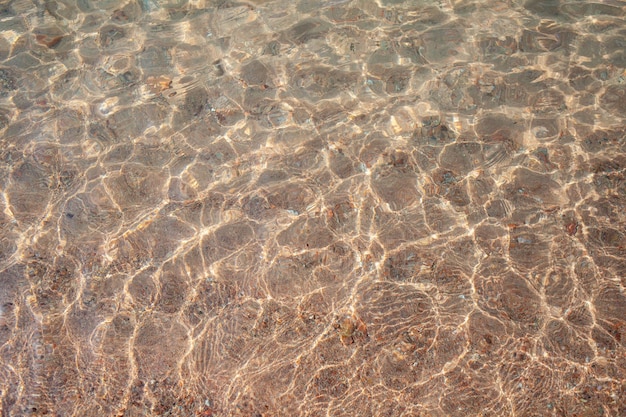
{"type": "Point", "coordinates": [312, 208]}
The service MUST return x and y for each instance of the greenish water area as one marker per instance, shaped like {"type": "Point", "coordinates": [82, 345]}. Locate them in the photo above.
{"type": "Point", "coordinates": [312, 208]}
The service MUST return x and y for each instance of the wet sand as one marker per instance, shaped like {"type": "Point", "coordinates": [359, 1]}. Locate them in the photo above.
{"type": "Point", "coordinates": [312, 208]}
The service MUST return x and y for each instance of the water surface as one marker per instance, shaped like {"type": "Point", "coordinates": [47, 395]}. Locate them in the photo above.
{"type": "Point", "coordinates": [312, 208]}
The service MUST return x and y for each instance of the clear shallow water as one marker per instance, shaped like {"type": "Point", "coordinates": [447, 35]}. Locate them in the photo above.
{"type": "Point", "coordinates": [345, 208]}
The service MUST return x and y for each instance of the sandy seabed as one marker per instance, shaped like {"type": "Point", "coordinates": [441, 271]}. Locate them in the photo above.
{"type": "Point", "coordinates": [312, 208]}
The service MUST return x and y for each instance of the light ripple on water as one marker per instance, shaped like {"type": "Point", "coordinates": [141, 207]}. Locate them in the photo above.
{"type": "Point", "coordinates": [376, 208]}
